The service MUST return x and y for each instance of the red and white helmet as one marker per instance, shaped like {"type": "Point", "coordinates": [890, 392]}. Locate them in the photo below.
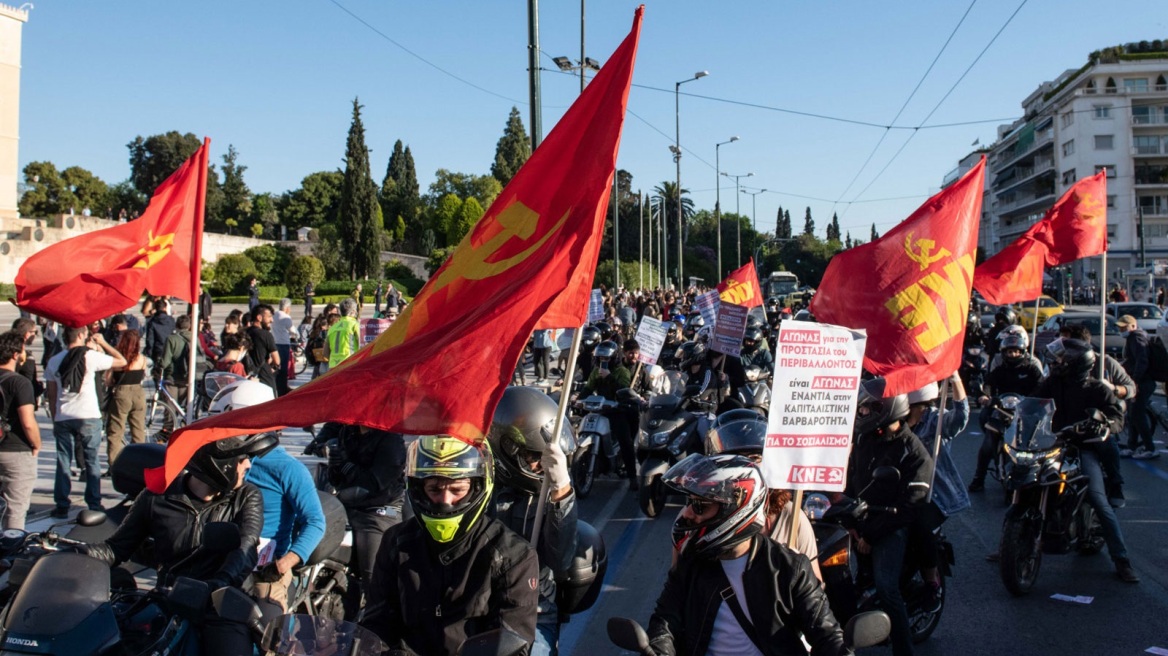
{"type": "Point", "coordinates": [735, 483]}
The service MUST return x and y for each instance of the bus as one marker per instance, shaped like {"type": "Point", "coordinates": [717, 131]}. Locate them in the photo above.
{"type": "Point", "coordinates": [780, 284]}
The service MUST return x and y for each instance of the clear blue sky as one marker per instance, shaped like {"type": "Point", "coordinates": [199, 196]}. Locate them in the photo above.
{"type": "Point", "coordinates": [276, 78]}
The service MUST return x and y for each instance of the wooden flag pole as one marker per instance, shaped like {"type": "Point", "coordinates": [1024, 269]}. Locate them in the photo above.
{"type": "Point", "coordinates": [1103, 317]}
{"type": "Point", "coordinates": [1034, 331]}
{"type": "Point", "coordinates": [565, 392]}
{"type": "Point", "coordinates": [798, 508]}
{"type": "Point", "coordinates": [942, 399]}
{"type": "Point", "coordinates": [196, 276]}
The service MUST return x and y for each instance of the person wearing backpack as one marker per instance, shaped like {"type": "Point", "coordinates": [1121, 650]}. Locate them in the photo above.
{"type": "Point", "coordinates": [175, 365]}
{"type": "Point", "coordinates": [1137, 362]}
{"type": "Point", "coordinates": [20, 437]}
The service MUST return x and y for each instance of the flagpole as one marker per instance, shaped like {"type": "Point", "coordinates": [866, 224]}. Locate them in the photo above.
{"type": "Point", "coordinates": [942, 399]}
{"type": "Point", "coordinates": [196, 277]}
{"type": "Point", "coordinates": [565, 392]}
{"type": "Point", "coordinates": [1034, 328]}
{"type": "Point", "coordinates": [1103, 318]}
{"type": "Point", "coordinates": [641, 242]}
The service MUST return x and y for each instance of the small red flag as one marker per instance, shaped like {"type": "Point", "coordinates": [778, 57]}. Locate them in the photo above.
{"type": "Point", "coordinates": [910, 289]}
{"type": "Point", "coordinates": [1014, 274]}
{"type": "Point", "coordinates": [442, 366]}
{"type": "Point", "coordinates": [741, 287]}
{"type": "Point", "coordinates": [95, 275]}
{"type": "Point", "coordinates": [1077, 223]}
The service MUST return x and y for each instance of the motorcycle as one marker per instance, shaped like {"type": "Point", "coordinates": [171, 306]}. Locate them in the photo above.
{"type": "Point", "coordinates": [595, 440]}
{"type": "Point", "coordinates": [669, 431]}
{"type": "Point", "coordinates": [756, 393]}
{"type": "Point", "coordinates": [974, 365]}
{"type": "Point", "coordinates": [1049, 512]}
{"type": "Point", "coordinates": [863, 630]}
{"type": "Point", "coordinates": [1000, 418]}
{"type": "Point", "coordinates": [850, 583]}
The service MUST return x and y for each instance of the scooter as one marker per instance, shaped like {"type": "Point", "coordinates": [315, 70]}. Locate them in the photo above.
{"type": "Point", "coordinates": [671, 428]}
{"type": "Point", "coordinates": [598, 451]}
{"type": "Point", "coordinates": [756, 393]}
{"type": "Point", "coordinates": [974, 365]}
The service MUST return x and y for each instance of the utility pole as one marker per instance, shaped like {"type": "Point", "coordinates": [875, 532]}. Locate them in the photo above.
{"type": "Point", "coordinates": [533, 72]}
{"type": "Point", "coordinates": [582, 66]}
{"type": "Point", "coordinates": [1140, 223]}
{"type": "Point", "coordinates": [616, 228]}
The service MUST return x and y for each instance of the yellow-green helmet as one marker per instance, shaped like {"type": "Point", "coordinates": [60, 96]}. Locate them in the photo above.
{"type": "Point", "coordinates": [434, 456]}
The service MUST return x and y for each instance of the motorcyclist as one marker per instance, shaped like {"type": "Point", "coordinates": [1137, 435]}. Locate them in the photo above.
{"type": "Point", "coordinates": [754, 353]}
{"type": "Point", "coordinates": [1076, 395]}
{"type": "Point", "coordinates": [673, 341]}
{"type": "Point", "coordinates": [733, 590]}
{"type": "Point", "coordinates": [213, 489]}
{"type": "Point", "coordinates": [1018, 372]}
{"type": "Point", "coordinates": [294, 521]}
{"type": "Point", "coordinates": [696, 362]}
{"type": "Point", "coordinates": [1003, 318]}
{"type": "Point", "coordinates": [609, 376]}
{"type": "Point", "coordinates": [521, 437]}
{"type": "Point", "coordinates": [883, 438]}
{"type": "Point", "coordinates": [693, 324]}
{"type": "Point", "coordinates": [973, 332]}
{"type": "Point", "coordinates": [589, 339]}
{"type": "Point", "coordinates": [453, 572]}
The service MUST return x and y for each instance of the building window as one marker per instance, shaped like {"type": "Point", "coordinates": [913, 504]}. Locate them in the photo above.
{"type": "Point", "coordinates": [1135, 85]}
{"type": "Point", "coordinates": [1110, 169]}
{"type": "Point", "coordinates": [1110, 232]}
{"type": "Point", "coordinates": [1102, 111]}
{"type": "Point", "coordinates": [1068, 118]}
{"type": "Point", "coordinates": [1153, 205]}
{"type": "Point", "coordinates": [1110, 86]}
{"type": "Point", "coordinates": [1104, 142]}
{"type": "Point", "coordinates": [1069, 177]}
{"type": "Point", "coordinates": [1146, 145]}
{"type": "Point", "coordinates": [1069, 148]}
{"type": "Point", "coordinates": [1142, 114]}
{"type": "Point", "coordinates": [1111, 201]}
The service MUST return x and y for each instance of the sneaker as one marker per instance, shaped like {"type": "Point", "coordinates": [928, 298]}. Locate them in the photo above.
{"type": "Point", "coordinates": [1124, 571]}
{"type": "Point", "coordinates": [977, 485]}
{"type": "Point", "coordinates": [59, 513]}
{"type": "Point", "coordinates": [1126, 452]}
{"type": "Point", "coordinates": [1145, 454]}
{"type": "Point", "coordinates": [931, 601]}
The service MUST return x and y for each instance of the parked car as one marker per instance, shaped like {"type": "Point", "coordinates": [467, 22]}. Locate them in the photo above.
{"type": "Point", "coordinates": [1047, 308]}
{"type": "Point", "coordinates": [1048, 332]}
{"type": "Point", "coordinates": [1147, 315]}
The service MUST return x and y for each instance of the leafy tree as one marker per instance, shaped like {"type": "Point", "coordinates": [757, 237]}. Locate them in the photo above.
{"type": "Point", "coordinates": [428, 241]}
{"type": "Point", "coordinates": [46, 191]}
{"type": "Point", "coordinates": [848, 240]}
{"type": "Point", "coordinates": [156, 157]}
{"type": "Point", "coordinates": [301, 270]}
{"type": "Point", "coordinates": [483, 188]}
{"type": "Point", "coordinates": [236, 195]}
{"type": "Point", "coordinates": [88, 189]}
{"type": "Point", "coordinates": [438, 258]}
{"type": "Point", "coordinates": [808, 223]}
{"type": "Point", "coordinates": [630, 213]}
{"type": "Point", "coordinates": [665, 197]}
{"type": "Point", "coordinates": [833, 228]}
{"type": "Point", "coordinates": [271, 261]}
{"type": "Point", "coordinates": [445, 217]}
{"type": "Point", "coordinates": [257, 230]}
{"type": "Point", "coordinates": [329, 253]}
{"type": "Point", "coordinates": [264, 212]}
{"type": "Point", "coordinates": [875, 235]}
{"type": "Point", "coordinates": [315, 203]}
{"type": "Point", "coordinates": [513, 149]}
{"type": "Point", "coordinates": [231, 224]}
{"type": "Point", "coordinates": [399, 195]}
{"type": "Point", "coordinates": [783, 226]}
{"type": "Point", "coordinates": [630, 273]}
{"type": "Point", "coordinates": [468, 215]}
{"type": "Point", "coordinates": [359, 214]}
{"type": "Point", "coordinates": [806, 256]}
{"type": "Point", "coordinates": [232, 273]}
{"type": "Point", "coordinates": [123, 196]}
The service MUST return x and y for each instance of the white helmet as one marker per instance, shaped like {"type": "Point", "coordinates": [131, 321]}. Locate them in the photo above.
{"type": "Point", "coordinates": [243, 394]}
{"type": "Point", "coordinates": [926, 394]}
{"type": "Point", "coordinates": [1015, 331]}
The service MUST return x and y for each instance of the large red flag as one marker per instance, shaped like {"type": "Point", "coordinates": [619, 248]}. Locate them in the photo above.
{"type": "Point", "coordinates": [91, 276]}
{"type": "Point", "coordinates": [1015, 273]}
{"type": "Point", "coordinates": [741, 287]}
{"type": "Point", "coordinates": [1077, 224]}
{"type": "Point", "coordinates": [910, 288]}
{"type": "Point", "coordinates": [443, 365]}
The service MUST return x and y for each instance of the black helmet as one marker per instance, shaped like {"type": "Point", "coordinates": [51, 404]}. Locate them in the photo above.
{"type": "Point", "coordinates": [217, 463]}
{"type": "Point", "coordinates": [520, 430]}
{"type": "Point", "coordinates": [606, 331]}
{"type": "Point", "coordinates": [742, 431]}
{"type": "Point", "coordinates": [734, 482]}
{"type": "Point", "coordinates": [755, 335]}
{"type": "Point", "coordinates": [874, 412]}
{"type": "Point", "coordinates": [607, 350]}
{"type": "Point", "coordinates": [693, 353]}
{"type": "Point", "coordinates": [1006, 315]}
{"type": "Point", "coordinates": [433, 456]}
{"type": "Point", "coordinates": [1070, 358]}
{"type": "Point", "coordinates": [753, 322]}
{"type": "Point", "coordinates": [590, 337]}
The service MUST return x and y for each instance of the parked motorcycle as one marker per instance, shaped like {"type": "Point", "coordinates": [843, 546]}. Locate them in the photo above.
{"type": "Point", "coordinates": [1049, 512]}
{"type": "Point", "coordinates": [850, 583]}
{"type": "Point", "coordinates": [671, 428]}
{"type": "Point", "coordinates": [756, 393]}
{"type": "Point", "coordinates": [999, 419]}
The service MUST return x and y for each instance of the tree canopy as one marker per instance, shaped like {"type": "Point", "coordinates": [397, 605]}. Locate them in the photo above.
{"type": "Point", "coordinates": [513, 149]}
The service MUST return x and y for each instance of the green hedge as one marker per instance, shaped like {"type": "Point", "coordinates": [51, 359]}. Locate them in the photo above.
{"type": "Point", "coordinates": [329, 291]}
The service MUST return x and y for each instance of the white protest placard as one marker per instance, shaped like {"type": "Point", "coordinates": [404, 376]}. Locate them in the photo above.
{"type": "Point", "coordinates": [729, 329]}
{"type": "Point", "coordinates": [707, 305]}
{"type": "Point", "coordinates": [809, 430]}
{"type": "Point", "coordinates": [596, 306]}
{"type": "Point", "coordinates": [651, 335]}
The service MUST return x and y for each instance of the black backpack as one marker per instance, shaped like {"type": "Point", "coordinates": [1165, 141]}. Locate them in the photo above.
{"type": "Point", "coordinates": [1157, 359]}
{"type": "Point", "coordinates": [5, 426]}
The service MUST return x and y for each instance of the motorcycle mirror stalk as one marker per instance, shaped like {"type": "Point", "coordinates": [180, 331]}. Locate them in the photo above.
{"type": "Point", "coordinates": [85, 518]}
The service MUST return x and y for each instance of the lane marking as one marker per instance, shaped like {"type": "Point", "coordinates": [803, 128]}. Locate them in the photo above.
{"type": "Point", "coordinates": [1143, 464]}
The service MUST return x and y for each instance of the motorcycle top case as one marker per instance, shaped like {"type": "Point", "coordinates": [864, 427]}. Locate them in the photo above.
{"type": "Point", "coordinates": [578, 588]}
{"type": "Point", "coordinates": [62, 608]}
{"type": "Point", "coordinates": [128, 471]}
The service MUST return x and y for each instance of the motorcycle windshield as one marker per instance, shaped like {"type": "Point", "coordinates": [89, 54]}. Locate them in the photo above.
{"type": "Point", "coordinates": [664, 406]}
{"type": "Point", "coordinates": [293, 635]}
{"type": "Point", "coordinates": [1031, 425]}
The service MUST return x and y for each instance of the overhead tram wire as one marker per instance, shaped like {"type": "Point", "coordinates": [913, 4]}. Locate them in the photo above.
{"type": "Point", "coordinates": [911, 95]}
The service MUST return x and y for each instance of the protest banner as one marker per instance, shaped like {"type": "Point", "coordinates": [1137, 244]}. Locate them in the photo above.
{"type": "Point", "coordinates": [596, 306]}
{"type": "Point", "coordinates": [707, 305]}
{"type": "Point", "coordinates": [371, 328]}
{"type": "Point", "coordinates": [809, 431]}
{"type": "Point", "coordinates": [729, 328]}
{"type": "Point", "coordinates": [651, 335]}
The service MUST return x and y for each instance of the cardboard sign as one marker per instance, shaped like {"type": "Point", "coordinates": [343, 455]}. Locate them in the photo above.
{"type": "Point", "coordinates": [729, 329]}
{"type": "Point", "coordinates": [809, 430]}
{"type": "Point", "coordinates": [707, 305]}
{"type": "Point", "coordinates": [371, 328]}
{"type": "Point", "coordinates": [651, 335]}
{"type": "Point", "coordinates": [596, 306]}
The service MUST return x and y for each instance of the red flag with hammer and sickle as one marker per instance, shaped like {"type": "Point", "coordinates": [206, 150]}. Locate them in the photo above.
{"type": "Point", "coordinates": [741, 287]}
{"type": "Point", "coordinates": [1015, 273]}
{"type": "Point", "coordinates": [442, 366]}
{"type": "Point", "coordinates": [910, 289]}
{"type": "Point", "coordinates": [101, 273]}
{"type": "Point", "coordinates": [1077, 223]}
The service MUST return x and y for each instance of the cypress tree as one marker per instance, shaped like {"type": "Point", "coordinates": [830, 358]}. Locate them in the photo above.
{"type": "Point", "coordinates": [848, 240]}
{"type": "Point", "coordinates": [359, 215]}
{"type": "Point", "coordinates": [808, 223]}
{"type": "Point", "coordinates": [512, 150]}
{"type": "Point", "coordinates": [875, 235]}
{"type": "Point", "coordinates": [833, 229]}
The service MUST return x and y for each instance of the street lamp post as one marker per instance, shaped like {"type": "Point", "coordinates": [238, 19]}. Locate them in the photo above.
{"type": "Point", "coordinates": [738, 208]}
{"type": "Point", "coordinates": [677, 160]}
{"type": "Point", "coordinates": [753, 218]}
{"type": "Point", "coordinates": [718, 192]}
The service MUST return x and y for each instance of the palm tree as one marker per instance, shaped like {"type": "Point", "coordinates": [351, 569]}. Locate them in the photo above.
{"type": "Point", "coordinates": [665, 200]}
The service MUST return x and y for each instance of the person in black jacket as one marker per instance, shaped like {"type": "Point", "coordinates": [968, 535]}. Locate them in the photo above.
{"type": "Point", "coordinates": [1137, 361]}
{"type": "Point", "coordinates": [213, 491]}
{"type": "Point", "coordinates": [453, 572]}
{"type": "Point", "coordinates": [525, 453]}
{"type": "Point", "coordinates": [1017, 372]}
{"type": "Point", "coordinates": [733, 588]}
{"type": "Point", "coordinates": [158, 330]}
{"type": "Point", "coordinates": [1003, 318]}
{"type": "Point", "coordinates": [883, 438]}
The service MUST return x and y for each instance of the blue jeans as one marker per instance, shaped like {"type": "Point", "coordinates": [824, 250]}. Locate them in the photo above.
{"type": "Point", "coordinates": [88, 431]}
{"type": "Point", "coordinates": [1097, 497]}
{"type": "Point", "coordinates": [887, 563]}
{"type": "Point", "coordinates": [285, 351]}
{"type": "Point", "coordinates": [1143, 423]}
{"type": "Point", "coordinates": [547, 638]}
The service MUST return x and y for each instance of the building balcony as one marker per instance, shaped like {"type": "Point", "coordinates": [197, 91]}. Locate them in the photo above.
{"type": "Point", "coordinates": [1151, 175]}
{"type": "Point", "coordinates": [1149, 121]}
{"type": "Point", "coordinates": [1012, 156]}
{"type": "Point", "coordinates": [1025, 201]}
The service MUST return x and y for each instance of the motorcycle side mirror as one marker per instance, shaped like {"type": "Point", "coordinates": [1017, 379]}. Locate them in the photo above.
{"type": "Point", "coordinates": [886, 474]}
{"type": "Point", "coordinates": [867, 629]}
{"type": "Point", "coordinates": [692, 390]}
{"type": "Point", "coordinates": [498, 642]}
{"type": "Point", "coordinates": [234, 604]}
{"type": "Point", "coordinates": [1097, 415]}
{"type": "Point", "coordinates": [90, 518]}
{"type": "Point", "coordinates": [221, 536]}
{"type": "Point", "coordinates": [627, 634]}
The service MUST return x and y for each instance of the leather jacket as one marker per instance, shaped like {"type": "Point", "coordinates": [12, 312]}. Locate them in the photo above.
{"type": "Point", "coordinates": [899, 449]}
{"type": "Point", "coordinates": [783, 600]}
{"type": "Point", "coordinates": [175, 520]}
{"type": "Point", "coordinates": [371, 472]}
{"type": "Point", "coordinates": [428, 598]}
{"type": "Point", "coordinates": [557, 540]}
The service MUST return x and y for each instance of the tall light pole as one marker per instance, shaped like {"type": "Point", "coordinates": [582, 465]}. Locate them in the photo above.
{"type": "Point", "coordinates": [718, 202]}
{"type": "Point", "coordinates": [677, 160]}
{"type": "Point", "coordinates": [753, 219]}
{"type": "Point", "coordinates": [738, 208]}
{"type": "Point", "coordinates": [533, 72]}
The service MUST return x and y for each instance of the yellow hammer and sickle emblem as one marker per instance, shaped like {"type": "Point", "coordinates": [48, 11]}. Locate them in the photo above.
{"type": "Point", "coordinates": [924, 246]}
{"type": "Point", "coordinates": [155, 249]}
{"type": "Point", "coordinates": [1089, 208]}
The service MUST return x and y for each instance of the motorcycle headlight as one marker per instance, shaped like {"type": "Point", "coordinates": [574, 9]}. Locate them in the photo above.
{"type": "Point", "coordinates": [815, 505]}
{"type": "Point", "coordinates": [1030, 457]}
{"type": "Point", "coordinates": [659, 439]}
{"type": "Point", "coordinates": [1010, 401]}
